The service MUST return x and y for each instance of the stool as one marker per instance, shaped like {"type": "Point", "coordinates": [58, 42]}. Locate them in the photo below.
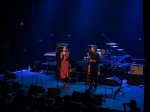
{"type": "Point", "coordinates": [36, 78]}
{"type": "Point", "coordinates": [109, 84]}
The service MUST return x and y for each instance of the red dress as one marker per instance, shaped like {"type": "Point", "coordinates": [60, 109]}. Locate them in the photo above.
{"type": "Point", "coordinates": [64, 71]}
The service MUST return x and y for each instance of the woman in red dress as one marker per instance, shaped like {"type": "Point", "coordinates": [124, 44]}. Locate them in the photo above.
{"type": "Point", "coordinates": [64, 71]}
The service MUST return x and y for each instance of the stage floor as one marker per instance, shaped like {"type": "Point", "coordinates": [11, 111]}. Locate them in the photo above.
{"type": "Point", "coordinates": [49, 81]}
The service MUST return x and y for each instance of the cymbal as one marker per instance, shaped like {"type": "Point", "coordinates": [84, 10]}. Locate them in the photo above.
{"type": "Point", "coordinates": [111, 44]}
{"type": "Point", "coordinates": [114, 46]}
{"type": "Point", "coordinates": [92, 45]}
{"type": "Point", "coordinates": [119, 49]}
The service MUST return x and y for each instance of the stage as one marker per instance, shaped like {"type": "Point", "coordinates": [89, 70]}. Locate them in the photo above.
{"type": "Point", "coordinates": [108, 100]}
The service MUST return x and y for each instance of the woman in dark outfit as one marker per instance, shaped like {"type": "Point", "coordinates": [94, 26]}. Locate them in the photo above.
{"type": "Point", "coordinates": [94, 60]}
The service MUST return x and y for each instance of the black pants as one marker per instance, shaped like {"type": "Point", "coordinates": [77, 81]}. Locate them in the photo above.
{"type": "Point", "coordinates": [93, 74]}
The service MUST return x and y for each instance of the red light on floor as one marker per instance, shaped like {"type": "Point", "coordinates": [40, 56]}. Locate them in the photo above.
{"type": "Point", "coordinates": [21, 23]}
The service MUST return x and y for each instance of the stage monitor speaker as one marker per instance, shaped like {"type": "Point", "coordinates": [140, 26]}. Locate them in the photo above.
{"type": "Point", "coordinates": [117, 80]}
{"type": "Point", "coordinates": [36, 90]}
{"type": "Point", "coordinates": [98, 98]}
{"type": "Point", "coordinates": [113, 81]}
{"type": "Point", "coordinates": [53, 92]}
{"type": "Point", "coordinates": [77, 96]}
{"type": "Point", "coordinates": [16, 86]}
{"type": "Point", "coordinates": [137, 69]}
{"type": "Point", "coordinates": [9, 75]}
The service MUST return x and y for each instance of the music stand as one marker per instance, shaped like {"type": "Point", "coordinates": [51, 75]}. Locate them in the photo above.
{"type": "Point", "coordinates": [119, 90]}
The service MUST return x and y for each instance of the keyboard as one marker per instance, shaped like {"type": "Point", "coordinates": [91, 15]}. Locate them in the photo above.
{"type": "Point", "coordinates": [52, 54]}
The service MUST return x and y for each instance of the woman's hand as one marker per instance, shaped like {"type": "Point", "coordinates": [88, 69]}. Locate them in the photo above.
{"type": "Point", "coordinates": [92, 60]}
{"type": "Point", "coordinates": [64, 53]}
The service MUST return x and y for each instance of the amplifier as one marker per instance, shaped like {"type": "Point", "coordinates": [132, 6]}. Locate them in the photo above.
{"type": "Point", "coordinates": [137, 69]}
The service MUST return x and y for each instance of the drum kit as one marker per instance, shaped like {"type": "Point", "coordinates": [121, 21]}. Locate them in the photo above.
{"type": "Point", "coordinates": [107, 56]}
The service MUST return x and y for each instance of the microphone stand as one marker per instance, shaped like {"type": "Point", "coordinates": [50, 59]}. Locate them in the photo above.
{"type": "Point", "coordinates": [58, 68]}
{"type": "Point", "coordinates": [106, 38]}
{"type": "Point", "coordinates": [21, 67]}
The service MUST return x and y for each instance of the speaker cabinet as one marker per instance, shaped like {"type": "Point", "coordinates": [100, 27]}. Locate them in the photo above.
{"type": "Point", "coordinates": [15, 86]}
{"type": "Point", "coordinates": [98, 98]}
{"type": "Point", "coordinates": [136, 74]}
{"type": "Point", "coordinates": [77, 96]}
{"type": "Point", "coordinates": [137, 69]}
{"type": "Point", "coordinates": [9, 75]}
{"type": "Point", "coordinates": [53, 92]}
{"type": "Point", "coordinates": [35, 90]}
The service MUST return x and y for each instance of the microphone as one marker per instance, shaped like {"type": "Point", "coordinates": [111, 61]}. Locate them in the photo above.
{"type": "Point", "coordinates": [140, 38]}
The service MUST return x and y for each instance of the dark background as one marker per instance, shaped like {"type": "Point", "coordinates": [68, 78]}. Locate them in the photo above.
{"type": "Point", "coordinates": [77, 22]}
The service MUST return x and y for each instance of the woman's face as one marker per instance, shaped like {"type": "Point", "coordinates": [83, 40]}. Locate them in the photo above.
{"type": "Point", "coordinates": [93, 49]}
{"type": "Point", "coordinates": [64, 49]}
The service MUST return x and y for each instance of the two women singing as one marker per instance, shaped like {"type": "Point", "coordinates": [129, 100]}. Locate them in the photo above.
{"type": "Point", "coordinates": [94, 60]}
